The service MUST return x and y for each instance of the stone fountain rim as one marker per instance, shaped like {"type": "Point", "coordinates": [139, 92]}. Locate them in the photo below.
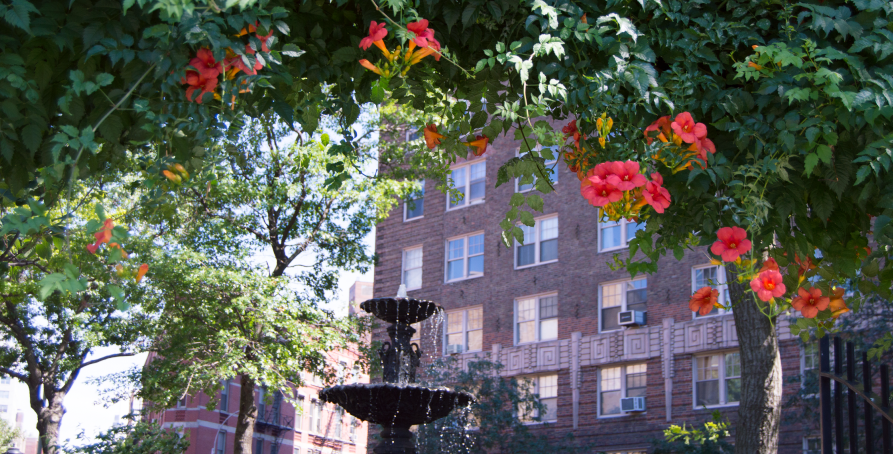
{"type": "Point", "coordinates": [420, 302]}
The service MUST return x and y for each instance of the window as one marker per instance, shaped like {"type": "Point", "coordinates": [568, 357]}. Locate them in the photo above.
{"type": "Point", "coordinates": [180, 403]}
{"type": "Point", "coordinates": [551, 170]}
{"type": "Point", "coordinates": [536, 319]}
{"type": "Point", "coordinates": [617, 382]}
{"type": "Point", "coordinates": [299, 412]}
{"type": "Point", "coordinates": [315, 417]}
{"type": "Point", "coordinates": [4, 394]}
{"type": "Point", "coordinates": [412, 268]}
{"type": "Point", "coordinates": [540, 243]}
{"type": "Point", "coordinates": [352, 429]}
{"type": "Point", "coordinates": [810, 357]}
{"type": "Point", "coordinates": [464, 328]}
{"type": "Point", "coordinates": [465, 257]}
{"type": "Point", "coordinates": [221, 443]}
{"type": "Point", "coordinates": [274, 447]}
{"type": "Point", "coordinates": [616, 235]}
{"type": "Point", "coordinates": [711, 276]}
{"type": "Point", "coordinates": [224, 396]}
{"type": "Point", "coordinates": [546, 387]}
{"type": "Point", "coordinates": [470, 180]}
{"type": "Point", "coordinates": [273, 417]}
{"type": "Point", "coordinates": [621, 296]}
{"type": "Point", "coordinates": [261, 405]}
{"type": "Point", "coordinates": [338, 422]}
{"type": "Point", "coordinates": [717, 379]}
{"type": "Point", "coordinates": [812, 446]}
{"type": "Point", "coordinates": [4, 408]}
{"type": "Point", "coordinates": [412, 134]}
{"type": "Point", "coordinates": [258, 447]}
{"type": "Point", "coordinates": [414, 205]}
{"type": "Point", "coordinates": [5, 380]}
{"type": "Point", "coordinates": [297, 450]}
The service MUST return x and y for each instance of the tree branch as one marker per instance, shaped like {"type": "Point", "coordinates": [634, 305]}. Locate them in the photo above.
{"type": "Point", "coordinates": [99, 360]}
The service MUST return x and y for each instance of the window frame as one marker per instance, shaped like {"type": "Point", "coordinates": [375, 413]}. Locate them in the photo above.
{"type": "Point", "coordinates": [723, 392]}
{"type": "Point", "coordinates": [623, 304]}
{"type": "Point", "coordinates": [528, 419]}
{"type": "Point", "coordinates": [537, 233]}
{"type": "Point", "coordinates": [420, 199]}
{"type": "Point", "coordinates": [807, 450]}
{"type": "Point", "coordinates": [466, 201]}
{"type": "Point", "coordinates": [722, 285]}
{"type": "Point", "coordinates": [218, 449]}
{"type": "Point", "coordinates": [224, 397]}
{"type": "Point", "coordinates": [623, 389]}
{"type": "Point", "coordinates": [421, 266]}
{"type": "Point", "coordinates": [554, 164]}
{"type": "Point", "coordinates": [624, 241]}
{"type": "Point", "coordinates": [465, 258]}
{"type": "Point", "coordinates": [464, 311]}
{"type": "Point", "coordinates": [299, 413]}
{"type": "Point", "coordinates": [537, 320]}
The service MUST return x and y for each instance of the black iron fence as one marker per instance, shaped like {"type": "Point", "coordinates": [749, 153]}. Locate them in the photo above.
{"type": "Point", "coordinates": [835, 439]}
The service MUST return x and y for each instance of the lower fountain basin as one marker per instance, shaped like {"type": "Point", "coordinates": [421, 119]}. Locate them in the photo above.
{"type": "Point", "coordinates": [396, 405]}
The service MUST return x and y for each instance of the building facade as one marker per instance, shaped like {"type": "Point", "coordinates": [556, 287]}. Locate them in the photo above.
{"type": "Point", "coordinates": [313, 427]}
{"type": "Point", "coordinates": [13, 407]}
{"type": "Point", "coordinates": [548, 309]}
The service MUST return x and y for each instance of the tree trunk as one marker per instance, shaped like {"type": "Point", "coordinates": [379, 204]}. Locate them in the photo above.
{"type": "Point", "coordinates": [759, 412]}
{"type": "Point", "coordinates": [49, 421]}
{"type": "Point", "coordinates": [247, 417]}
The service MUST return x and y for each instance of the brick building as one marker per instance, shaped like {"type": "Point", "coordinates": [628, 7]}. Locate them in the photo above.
{"type": "Point", "coordinates": [548, 310]}
{"type": "Point", "coordinates": [314, 428]}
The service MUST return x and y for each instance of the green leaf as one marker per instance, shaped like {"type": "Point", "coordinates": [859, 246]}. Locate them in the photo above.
{"type": "Point", "coordinates": [32, 136]}
{"type": "Point", "coordinates": [535, 202]}
{"type": "Point", "coordinates": [517, 200]}
{"type": "Point", "coordinates": [18, 15]}
{"type": "Point", "coordinates": [527, 218]}
{"type": "Point", "coordinates": [378, 93]}
{"type": "Point", "coordinates": [811, 160]}
{"type": "Point", "coordinates": [824, 153]}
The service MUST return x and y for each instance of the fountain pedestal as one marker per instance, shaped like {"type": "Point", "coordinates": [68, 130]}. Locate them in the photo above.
{"type": "Point", "coordinates": [398, 403]}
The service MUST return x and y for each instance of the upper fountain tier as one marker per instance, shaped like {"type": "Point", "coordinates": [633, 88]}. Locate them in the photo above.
{"type": "Point", "coordinates": [400, 310]}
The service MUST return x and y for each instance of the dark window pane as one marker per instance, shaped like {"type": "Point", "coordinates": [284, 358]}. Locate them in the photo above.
{"type": "Point", "coordinates": [415, 208]}
{"type": "Point", "coordinates": [548, 307]}
{"type": "Point", "coordinates": [454, 270]}
{"type": "Point", "coordinates": [476, 265]}
{"type": "Point", "coordinates": [635, 381]}
{"type": "Point", "coordinates": [637, 296]}
{"type": "Point", "coordinates": [477, 189]}
{"type": "Point", "coordinates": [526, 254]}
{"type": "Point", "coordinates": [636, 392]}
{"type": "Point", "coordinates": [549, 250]}
{"type": "Point", "coordinates": [610, 403]}
{"type": "Point", "coordinates": [609, 318]}
{"type": "Point", "coordinates": [707, 393]}
{"type": "Point", "coordinates": [733, 390]}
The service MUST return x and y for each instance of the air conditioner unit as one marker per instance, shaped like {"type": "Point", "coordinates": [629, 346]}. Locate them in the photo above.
{"type": "Point", "coordinates": [632, 404]}
{"type": "Point", "coordinates": [631, 318]}
{"type": "Point", "coordinates": [454, 349]}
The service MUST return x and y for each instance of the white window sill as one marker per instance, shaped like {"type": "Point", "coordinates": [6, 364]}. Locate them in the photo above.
{"type": "Point", "coordinates": [618, 248]}
{"type": "Point", "coordinates": [413, 219]}
{"type": "Point", "coordinates": [701, 317]}
{"type": "Point", "coordinates": [536, 342]}
{"type": "Point", "coordinates": [463, 279]}
{"type": "Point", "coordinates": [472, 203]}
{"type": "Point", "coordinates": [409, 289]}
{"type": "Point", "coordinates": [446, 355]}
{"type": "Point", "coordinates": [712, 407]}
{"type": "Point", "coordinates": [540, 423]}
{"type": "Point", "coordinates": [535, 265]}
{"type": "Point", "coordinates": [623, 414]}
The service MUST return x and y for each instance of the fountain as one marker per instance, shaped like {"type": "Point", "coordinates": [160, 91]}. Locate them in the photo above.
{"type": "Point", "coordinates": [398, 403]}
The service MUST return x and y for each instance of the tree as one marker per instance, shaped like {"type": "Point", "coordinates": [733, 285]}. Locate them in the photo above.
{"type": "Point", "coordinates": [135, 437]}
{"type": "Point", "coordinates": [61, 301]}
{"type": "Point", "coordinates": [8, 435]}
{"type": "Point", "coordinates": [224, 316]}
{"type": "Point", "coordinates": [709, 439]}
{"type": "Point", "coordinates": [799, 124]}
{"type": "Point", "coordinates": [496, 422]}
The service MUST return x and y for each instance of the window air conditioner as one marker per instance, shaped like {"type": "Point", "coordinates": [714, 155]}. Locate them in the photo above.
{"type": "Point", "coordinates": [454, 349]}
{"type": "Point", "coordinates": [631, 318]}
{"type": "Point", "coordinates": [632, 404]}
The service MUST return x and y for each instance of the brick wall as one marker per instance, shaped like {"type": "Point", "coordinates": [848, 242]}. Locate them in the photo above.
{"type": "Point", "coordinates": [576, 277]}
